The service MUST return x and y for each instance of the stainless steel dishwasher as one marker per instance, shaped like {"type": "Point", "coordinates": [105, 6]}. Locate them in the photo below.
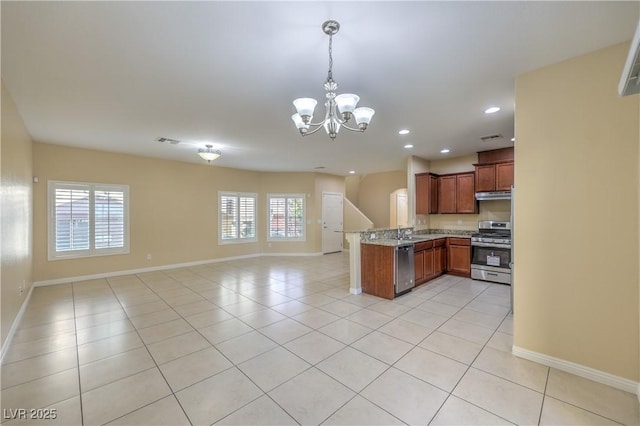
{"type": "Point", "coordinates": [404, 269]}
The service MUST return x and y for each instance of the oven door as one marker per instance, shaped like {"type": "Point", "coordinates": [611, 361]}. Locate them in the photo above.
{"type": "Point", "coordinates": [490, 255]}
{"type": "Point", "coordinates": [490, 263]}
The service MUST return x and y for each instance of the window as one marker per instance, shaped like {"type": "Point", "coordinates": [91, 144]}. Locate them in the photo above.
{"type": "Point", "coordinates": [87, 219]}
{"type": "Point", "coordinates": [237, 217]}
{"type": "Point", "coordinates": [286, 217]}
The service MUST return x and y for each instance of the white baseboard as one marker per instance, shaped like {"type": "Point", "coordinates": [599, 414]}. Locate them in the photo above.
{"type": "Point", "coordinates": [579, 370]}
{"type": "Point", "coordinates": [16, 322]}
{"type": "Point", "coordinates": [162, 268]}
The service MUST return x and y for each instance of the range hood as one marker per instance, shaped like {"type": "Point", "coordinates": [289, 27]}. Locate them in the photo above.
{"type": "Point", "coordinates": [494, 195]}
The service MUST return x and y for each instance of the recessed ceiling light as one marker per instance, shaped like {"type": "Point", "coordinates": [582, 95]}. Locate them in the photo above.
{"type": "Point", "coordinates": [351, 172]}
{"type": "Point", "coordinates": [491, 110]}
{"type": "Point", "coordinates": [408, 146]}
{"type": "Point", "coordinates": [445, 151]}
{"type": "Point", "coordinates": [513, 139]}
{"type": "Point", "coordinates": [404, 132]}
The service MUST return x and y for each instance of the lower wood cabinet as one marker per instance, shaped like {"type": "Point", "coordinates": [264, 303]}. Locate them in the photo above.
{"type": "Point", "coordinates": [429, 260]}
{"type": "Point", "coordinates": [439, 259]}
{"type": "Point", "coordinates": [432, 259]}
{"type": "Point", "coordinates": [459, 256]}
{"type": "Point", "coordinates": [377, 270]}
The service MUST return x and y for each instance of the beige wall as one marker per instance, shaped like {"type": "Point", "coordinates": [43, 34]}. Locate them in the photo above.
{"type": "Point", "coordinates": [576, 214]}
{"type": "Point", "coordinates": [173, 208]}
{"type": "Point", "coordinates": [16, 212]}
{"type": "Point", "coordinates": [352, 187]}
{"type": "Point", "coordinates": [373, 195]}
{"type": "Point", "coordinates": [416, 165]}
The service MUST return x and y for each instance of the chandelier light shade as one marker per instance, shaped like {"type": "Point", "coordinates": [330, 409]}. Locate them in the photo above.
{"type": "Point", "coordinates": [339, 109]}
{"type": "Point", "coordinates": [209, 154]}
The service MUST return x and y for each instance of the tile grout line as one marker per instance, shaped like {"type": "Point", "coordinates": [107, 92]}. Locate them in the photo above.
{"type": "Point", "coordinates": [469, 366]}
{"type": "Point", "coordinates": [75, 327]}
{"type": "Point", "coordinates": [152, 358]}
{"type": "Point", "coordinates": [544, 394]}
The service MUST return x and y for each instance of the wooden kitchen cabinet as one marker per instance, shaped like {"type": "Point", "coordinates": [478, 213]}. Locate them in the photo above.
{"type": "Point", "coordinates": [377, 270]}
{"type": "Point", "coordinates": [504, 176]}
{"type": "Point", "coordinates": [466, 193]}
{"type": "Point", "coordinates": [426, 193]}
{"type": "Point", "coordinates": [459, 256]}
{"type": "Point", "coordinates": [456, 193]}
{"type": "Point", "coordinates": [494, 177]}
{"type": "Point", "coordinates": [447, 194]}
{"type": "Point", "coordinates": [429, 260]}
{"type": "Point", "coordinates": [418, 262]}
{"type": "Point", "coordinates": [439, 257]}
{"type": "Point", "coordinates": [423, 261]}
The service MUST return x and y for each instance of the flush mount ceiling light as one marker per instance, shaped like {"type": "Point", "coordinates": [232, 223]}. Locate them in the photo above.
{"type": "Point", "coordinates": [492, 110]}
{"type": "Point", "coordinates": [339, 108]}
{"type": "Point", "coordinates": [209, 154]}
{"type": "Point", "coordinates": [445, 151]}
{"type": "Point", "coordinates": [408, 146]}
{"type": "Point", "coordinates": [404, 132]}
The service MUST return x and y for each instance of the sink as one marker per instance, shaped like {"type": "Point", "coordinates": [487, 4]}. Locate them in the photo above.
{"type": "Point", "coordinates": [416, 238]}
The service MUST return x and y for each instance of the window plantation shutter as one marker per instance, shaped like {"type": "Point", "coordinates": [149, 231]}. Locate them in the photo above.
{"type": "Point", "coordinates": [294, 217]}
{"type": "Point", "coordinates": [228, 215]}
{"type": "Point", "coordinates": [247, 217]}
{"type": "Point", "coordinates": [276, 217]}
{"type": "Point", "coordinates": [72, 218]}
{"type": "Point", "coordinates": [109, 218]}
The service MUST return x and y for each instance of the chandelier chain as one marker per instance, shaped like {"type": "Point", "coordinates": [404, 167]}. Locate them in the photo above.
{"type": "Point", "coordinates": [330, 74]}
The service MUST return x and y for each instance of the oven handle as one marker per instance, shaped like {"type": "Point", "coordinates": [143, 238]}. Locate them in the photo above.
{"type": "Point", "coordinates": [491, 245]}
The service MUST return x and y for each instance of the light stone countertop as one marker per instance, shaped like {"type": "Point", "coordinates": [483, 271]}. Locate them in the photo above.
{"type": "Point", "coordinates": [415, 238]}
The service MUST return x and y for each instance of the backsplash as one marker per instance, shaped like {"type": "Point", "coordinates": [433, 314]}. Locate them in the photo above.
{"type": "Point", "coordinates": [385, 234]}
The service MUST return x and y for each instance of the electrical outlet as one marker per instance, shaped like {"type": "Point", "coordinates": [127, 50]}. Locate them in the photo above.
{"type": "Point", "coordinates": [372, 236]}
{"type": "Point", "coordinates": [149, 257]}
{"type": "Point", "coordinates": [21, 287]}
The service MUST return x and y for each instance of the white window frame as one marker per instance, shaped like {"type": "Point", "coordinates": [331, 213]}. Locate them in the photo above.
{"type": "Point", "coordinates": [239, 239]}
{"type": "Point", "coordinates": [92, 251]}
{"type": "Point", "coordinates": [304, 217]}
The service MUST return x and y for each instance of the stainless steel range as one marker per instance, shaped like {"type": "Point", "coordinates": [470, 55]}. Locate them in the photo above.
{"type": "Point", "coordinates": [491, 252]}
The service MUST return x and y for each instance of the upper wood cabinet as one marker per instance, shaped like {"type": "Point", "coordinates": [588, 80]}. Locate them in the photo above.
{"type": "Point", "coordinates": [494, 177]}
{"type": "Point", "coordinates": [456, 193]}
{"type": "Point", "coordinates": [485, 177]}
{"type": "Point", "coordinates": [466, 193]}
{"type": "Point", "coordinates": [447, 194]}
{"type": "Point", "coordinates": [426, 193]}
{"type": "Point", "coordinates": [494, 171]}
{"type": "Point", "coordinates": [504, 176]}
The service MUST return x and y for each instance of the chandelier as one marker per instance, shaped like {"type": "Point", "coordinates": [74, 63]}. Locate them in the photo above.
{"type": "Point", "coordinates": [339, 108]}
{"type": "Point", "coordinates": [209, 154]}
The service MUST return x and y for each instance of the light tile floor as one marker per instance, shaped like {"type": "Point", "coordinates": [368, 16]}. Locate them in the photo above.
{"type": "Point", "coordinates": [281, 341]}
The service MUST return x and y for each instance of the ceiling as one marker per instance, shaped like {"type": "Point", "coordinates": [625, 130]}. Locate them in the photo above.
{"type": "Point", "coordinates": [115, 76]}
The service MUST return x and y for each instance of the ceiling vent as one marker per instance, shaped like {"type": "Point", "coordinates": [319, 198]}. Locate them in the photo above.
{"type": "Point", "coordinates": [630, 79]}
{"type": "Point", "coordinates": [168, 140]}
{"type": "Point", "coordinates": [490, 138]}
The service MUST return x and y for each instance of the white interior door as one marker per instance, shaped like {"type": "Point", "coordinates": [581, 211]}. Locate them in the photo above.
{"type": "Point", "coordinates": [332, 222]}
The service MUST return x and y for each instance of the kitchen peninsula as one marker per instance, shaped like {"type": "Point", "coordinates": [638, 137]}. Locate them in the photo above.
{"type": "Point", "coordinates": [373, 257]}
